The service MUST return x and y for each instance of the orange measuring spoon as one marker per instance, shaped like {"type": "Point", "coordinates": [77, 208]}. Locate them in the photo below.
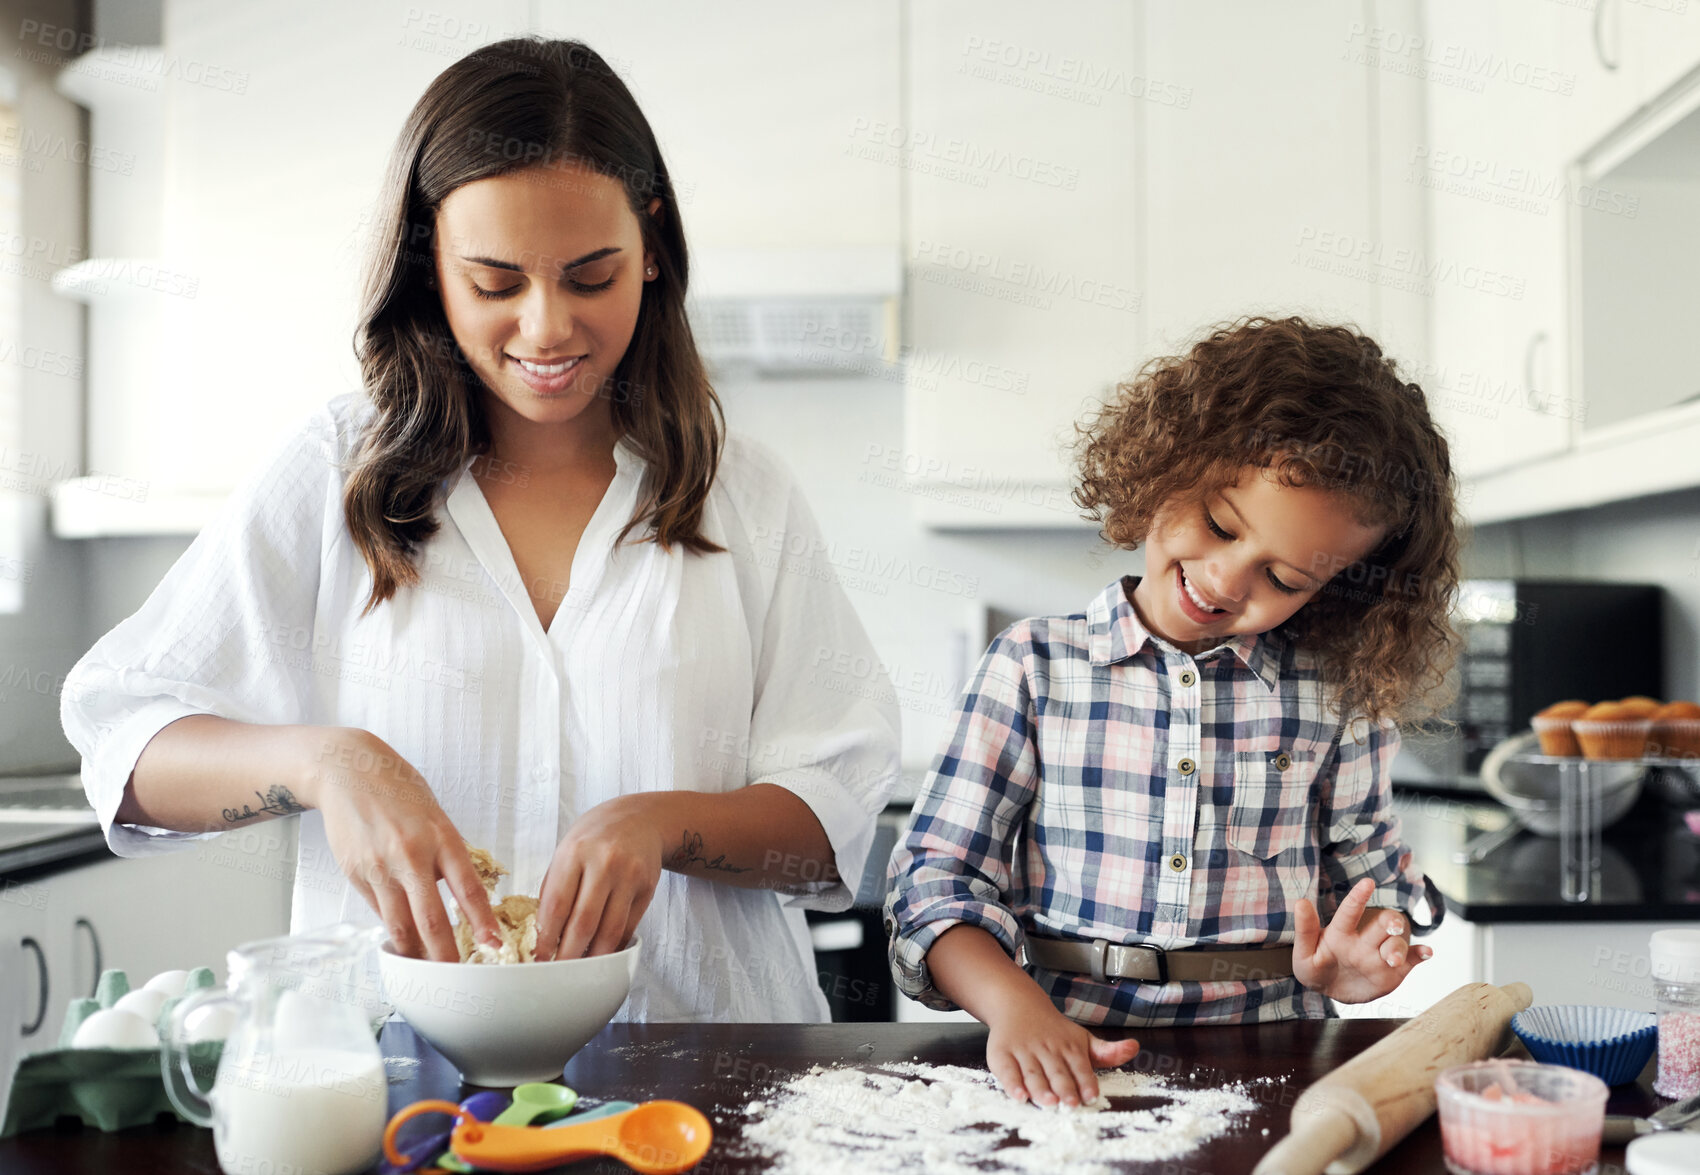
{"type": "Point", "coordinates": [655, 1138]}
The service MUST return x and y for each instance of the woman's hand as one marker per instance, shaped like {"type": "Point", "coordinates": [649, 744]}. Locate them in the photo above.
{"type": "Point", "coordinates": [393, 840]}
{"type": "Point", "coordinates": [1364, 953]}
{"type": "Point", "coordinates": [1036, 1052]}
{"type": "Point", "coordinates": [601, 878]}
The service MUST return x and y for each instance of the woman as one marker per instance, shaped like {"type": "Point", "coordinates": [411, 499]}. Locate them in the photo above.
{"type": "Point", "coordinates": [521, 596]}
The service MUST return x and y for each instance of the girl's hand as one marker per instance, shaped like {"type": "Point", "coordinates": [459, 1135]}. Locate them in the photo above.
{"type": "Point", "coordinates": [393, 840]}
{"type": "Point", "coordinates": [1364, 953]}
{"type": "Point", "coordinates": [1036, 1052]}
{"type": "Point", "coordinates": [600, 880]}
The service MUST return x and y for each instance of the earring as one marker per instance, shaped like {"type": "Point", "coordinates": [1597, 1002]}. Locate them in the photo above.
{"type": "Point", "coordinates": [650, 272]}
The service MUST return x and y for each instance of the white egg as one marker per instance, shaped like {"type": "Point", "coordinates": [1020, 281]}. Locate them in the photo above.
{"type": "Point", "coordinates": [213, 1022]}
{"type": "Point", "coordinates": [115, 1028]}
{"type": "Point", "coordinates": [143, 1003]}
{"type": "Point", "coordinates": [170, 982]}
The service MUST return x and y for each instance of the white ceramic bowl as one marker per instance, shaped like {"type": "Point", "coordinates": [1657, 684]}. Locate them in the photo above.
{"type": "Point", "coordinates": [501, 1025]}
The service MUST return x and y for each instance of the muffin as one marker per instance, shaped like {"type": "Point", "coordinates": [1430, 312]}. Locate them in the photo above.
{"type": "Point", "coordinates": [1611, 730]}
{"type": "Point", "coordinates": [1676, 731]}
{"type": "Point", "coordinates": [1552, 725]}
{"type": "Point", "coordinates": [1640, 705]}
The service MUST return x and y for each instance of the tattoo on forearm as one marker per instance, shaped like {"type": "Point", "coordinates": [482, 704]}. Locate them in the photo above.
{"type": "Point", "coordinates": [277, 801]}
{"type": "Point", "coordinates": [690, 852]}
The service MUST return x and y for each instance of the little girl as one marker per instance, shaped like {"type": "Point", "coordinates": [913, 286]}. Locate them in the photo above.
{"type": "Point", "coordinates": [1149, 802]}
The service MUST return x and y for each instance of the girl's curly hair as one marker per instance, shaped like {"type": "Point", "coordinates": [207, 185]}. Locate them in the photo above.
{"type": "Point", "coordinates": [1317, 406]}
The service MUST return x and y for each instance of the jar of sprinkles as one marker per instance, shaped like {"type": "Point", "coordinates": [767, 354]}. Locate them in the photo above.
{"type": "Point", "coordinates": [1676, 987]}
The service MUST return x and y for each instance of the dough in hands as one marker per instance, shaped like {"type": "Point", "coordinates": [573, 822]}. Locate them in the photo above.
{"type": "Point", "coordinates": [516, 920]}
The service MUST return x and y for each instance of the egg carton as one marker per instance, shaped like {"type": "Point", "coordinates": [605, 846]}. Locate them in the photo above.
{"type": "Point", "coordinates": [110, 1088]}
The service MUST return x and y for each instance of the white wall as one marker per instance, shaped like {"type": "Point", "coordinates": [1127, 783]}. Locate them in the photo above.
{"type": "Point", "coordinates": [1650, 540]}
{"type": "Point", "coordinates": [917, 592]}
{"type": "Point", "coordinates": [41, 642]}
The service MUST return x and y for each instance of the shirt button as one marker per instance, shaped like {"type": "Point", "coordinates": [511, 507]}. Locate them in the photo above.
{"type": "Point", "coordinates": [1188, 677]}
{"type": "Point", "coordinates": [541, 774]}
{"type": "Point", "coordinates": [1283, 761]}
{"type": "Point", "coordinates": [1186, 766]}
{"type": "Point", "coordinates": [1178, 862]}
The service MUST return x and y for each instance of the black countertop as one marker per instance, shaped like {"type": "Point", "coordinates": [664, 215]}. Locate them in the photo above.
{"type": "Point", "coordinates": [1650, 864]}
{"type": "Point", "coordinates": [1650, 869]}
{"type": "Point", "coordinates": [46, 824]}
{"type": "Point", "coordinates": [29, 849]}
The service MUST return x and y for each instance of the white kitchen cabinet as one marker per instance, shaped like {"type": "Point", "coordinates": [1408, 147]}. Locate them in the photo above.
{"type": "Point", "coordinates": [1667, 38]}
{"type": "Point", "coordinates": [24, 944]}
{"type": "Point", "coordinates": [1178, 208]}
{"type": "Point", "coordinates": [1021, 149]}
{"type": "Point", "coordinates": [1499, 199]}
{"type": "Point", "coordinates": [145, 915]}
{"type": "Point", "coordinates": [1524, 199]}
{"type": "Point", "coordinates": [1562, 962]}
{"type": "Point", "coordinates": [1574, 963]}
{"type": "Point", "coordinates": [1616, 55]}
{"type": "Point", "coordinates": [759, 110]}
{"type": "Point", "coordinates": [1598, 51]}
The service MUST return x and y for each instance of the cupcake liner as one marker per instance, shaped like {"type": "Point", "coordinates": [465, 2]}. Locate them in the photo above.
{"type": "Point", "coordinates": [1616, 739]}
{"type": "Point", "coordinates": [1614, 1044]}
{"type": "Point", "coordinates": [1675, 738]}
{"type": "Point", "coordinates": [1557, 736]}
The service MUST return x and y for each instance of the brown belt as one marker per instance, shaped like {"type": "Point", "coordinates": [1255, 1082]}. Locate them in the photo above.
{"type": "Point", "coordinates": [1105, 960]}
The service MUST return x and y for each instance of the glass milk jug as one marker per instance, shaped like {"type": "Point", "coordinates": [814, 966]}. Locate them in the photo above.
{"type": "Point", "coordinates": [300, 1085]}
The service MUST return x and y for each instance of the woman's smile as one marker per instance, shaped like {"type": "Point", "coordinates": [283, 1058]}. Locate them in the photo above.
{"type": "Point", "coordinates": [547, 378]}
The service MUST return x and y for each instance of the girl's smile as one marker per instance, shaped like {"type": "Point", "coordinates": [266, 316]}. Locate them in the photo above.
{"type": "Point", "coordinates": [1245, 559]}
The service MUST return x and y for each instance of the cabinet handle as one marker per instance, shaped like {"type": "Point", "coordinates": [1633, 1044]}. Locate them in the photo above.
{"type": "Point", "coordinates": [34, 1026]}
{"type": "Point", "coordinates": [94, 941]}
{"type": "Point", "coordinates": [1600, 37]}
{"type": "Point", "coordinates": [1531, 396]}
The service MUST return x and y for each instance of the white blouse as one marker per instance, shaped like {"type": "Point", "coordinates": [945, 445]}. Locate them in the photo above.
{"type": "Point", "coordinates": [659, 670]}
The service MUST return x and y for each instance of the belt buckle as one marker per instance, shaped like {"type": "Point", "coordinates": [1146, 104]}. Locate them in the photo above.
{"type": "Point", "coordinates": [1162, 958]}
{"type": "Point", "coordinates": [1100, 958]}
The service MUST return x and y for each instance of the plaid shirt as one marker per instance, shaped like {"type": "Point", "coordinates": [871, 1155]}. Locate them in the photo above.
{"type": "Point", "coordinates": [1100, 783]}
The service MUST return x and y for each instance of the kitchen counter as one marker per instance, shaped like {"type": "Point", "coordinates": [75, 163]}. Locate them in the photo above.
{"type": "Point", "coordinates": [720, 1067]}
{"type": "Point", "coordinates": [1650, 868]}
{"type": "Point", "coordinates": [46, 823]}
{"type": "Point", "coordinates": [26, 849]}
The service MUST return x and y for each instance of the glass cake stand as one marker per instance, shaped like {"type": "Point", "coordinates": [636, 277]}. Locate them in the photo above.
{"type": "Point", "coordinates": [1580, 785]}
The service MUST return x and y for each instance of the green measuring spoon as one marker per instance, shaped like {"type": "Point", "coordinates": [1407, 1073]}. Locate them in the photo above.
{"type": "Point", "coordinates": [537, 1102]}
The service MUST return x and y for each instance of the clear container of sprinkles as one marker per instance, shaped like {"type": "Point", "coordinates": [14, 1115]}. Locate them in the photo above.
{"type": "Point", "coordinates": [1676, 987]}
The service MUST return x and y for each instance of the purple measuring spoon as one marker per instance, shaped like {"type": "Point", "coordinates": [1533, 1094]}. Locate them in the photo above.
{"type": "Point", "coordinates": [483, 1105]}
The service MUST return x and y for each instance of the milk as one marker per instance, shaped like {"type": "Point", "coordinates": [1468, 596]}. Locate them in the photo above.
{"type": "Point", "coordinates": [310, 1111]}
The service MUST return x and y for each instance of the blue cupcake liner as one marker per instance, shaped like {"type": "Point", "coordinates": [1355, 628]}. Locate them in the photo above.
{"type": "Point", "coordinates": [1613, 1044]}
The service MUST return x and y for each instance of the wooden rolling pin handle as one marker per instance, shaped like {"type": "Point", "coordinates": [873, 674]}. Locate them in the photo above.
{"type": "Point", "coordinates": [1331, 1132]}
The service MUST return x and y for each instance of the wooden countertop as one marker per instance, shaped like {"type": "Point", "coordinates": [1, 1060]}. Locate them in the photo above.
{"type": "Point", "coordinates": [720, 1067]}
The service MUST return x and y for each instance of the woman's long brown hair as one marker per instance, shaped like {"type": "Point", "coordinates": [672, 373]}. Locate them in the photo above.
{"type": "Point", "coordinates": [1313, 405]}
{"type": "Point", "coordinates": [520, 103]}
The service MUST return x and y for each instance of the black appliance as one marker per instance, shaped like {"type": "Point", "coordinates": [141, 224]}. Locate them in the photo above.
{"type": "Point", "coordinates": [1528, 643]}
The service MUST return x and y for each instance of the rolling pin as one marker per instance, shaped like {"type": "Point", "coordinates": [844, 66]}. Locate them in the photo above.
{"type": "Point", "coordinates": [1355, 1114]}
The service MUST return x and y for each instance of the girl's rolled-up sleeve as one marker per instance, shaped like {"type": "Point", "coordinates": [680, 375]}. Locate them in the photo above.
{"type": "Point", "coordinates": [825, 724]}
{"type": "Point", "coordinates": [228, 631]}
{"type": "Point", "coordinates": [1360, 830]}
{"type": "Point", "coordinates": [955, 863]}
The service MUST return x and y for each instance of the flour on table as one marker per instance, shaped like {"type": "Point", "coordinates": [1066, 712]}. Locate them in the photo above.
{"type": "Point", "coordinates": [949, 1120]}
